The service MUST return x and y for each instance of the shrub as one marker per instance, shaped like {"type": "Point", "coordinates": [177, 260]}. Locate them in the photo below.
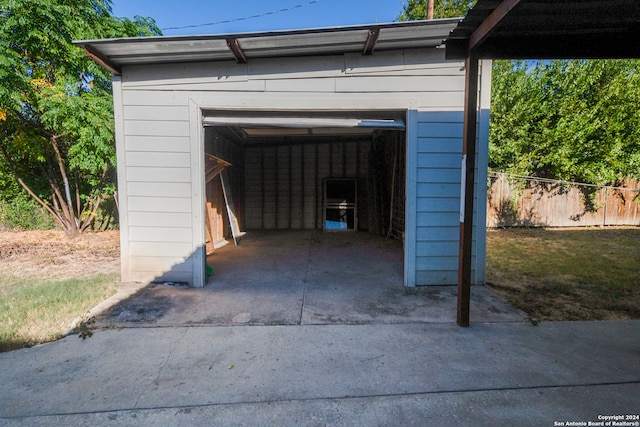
{"type": "Point", "coordinates": [24, 213]}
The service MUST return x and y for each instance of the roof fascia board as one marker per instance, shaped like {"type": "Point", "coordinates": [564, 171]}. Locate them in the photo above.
{"type": "Point", "coordinates": [240, 35]}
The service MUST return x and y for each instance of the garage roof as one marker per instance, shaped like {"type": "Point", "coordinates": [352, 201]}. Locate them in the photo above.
{"type": "Point", "coordinates": [113, 53]}
{"type": "Point", "coordinates": [548, 29]}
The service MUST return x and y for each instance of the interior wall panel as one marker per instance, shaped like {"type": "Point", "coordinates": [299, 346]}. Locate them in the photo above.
{"type": "Point", "coordinates": [289, 178]}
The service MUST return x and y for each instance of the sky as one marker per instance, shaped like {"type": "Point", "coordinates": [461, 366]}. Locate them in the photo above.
{"type": "Point", "coordinates": [241, 15]}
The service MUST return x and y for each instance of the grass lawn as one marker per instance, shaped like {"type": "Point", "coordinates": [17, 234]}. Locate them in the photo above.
{"type": "Point", "coordinates": [36, 310]}
{"type": "Point", "coordinates": [567, 274]}
{"type": "Point", "coordinates": [48, 279]}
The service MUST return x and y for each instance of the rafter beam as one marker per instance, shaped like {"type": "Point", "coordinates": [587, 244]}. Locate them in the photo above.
{"type": "Point", "coordinates": [372, 39]}
{"type": "Point", "coordinates": [102, 60]}
{"type": "Point", "coordinates": [236, 50]}
{"type": "Point", "coordinates": [492, 21]}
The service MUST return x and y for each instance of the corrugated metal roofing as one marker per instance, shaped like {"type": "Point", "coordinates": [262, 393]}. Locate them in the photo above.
{"type": "Point", "coordinates": [316, 41]}
{"type": "Point", "coordinates": [538, 29]}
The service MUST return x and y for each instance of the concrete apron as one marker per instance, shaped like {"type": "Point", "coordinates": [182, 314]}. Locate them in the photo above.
{"type": "Point", "coordinates": [304, 278]}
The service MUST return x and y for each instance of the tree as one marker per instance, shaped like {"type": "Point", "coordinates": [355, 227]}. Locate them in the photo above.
{"type": "Point", "coordinates": [56, 114]}
{"type": "Point", "coordinates": [572, 120]}
{"type": "Point", "coordinates": [417, 9]}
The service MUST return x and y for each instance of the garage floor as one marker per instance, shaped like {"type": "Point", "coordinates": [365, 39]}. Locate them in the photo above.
{"type": "Point", "coordinates": [306, 277]}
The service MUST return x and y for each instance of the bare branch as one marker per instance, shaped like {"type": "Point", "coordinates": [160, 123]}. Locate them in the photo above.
{"type": "Point", "coordinates": [63, 173]}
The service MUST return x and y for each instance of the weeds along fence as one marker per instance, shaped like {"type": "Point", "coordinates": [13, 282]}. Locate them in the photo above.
{"type": "Point", "coordinates": [521, 201]}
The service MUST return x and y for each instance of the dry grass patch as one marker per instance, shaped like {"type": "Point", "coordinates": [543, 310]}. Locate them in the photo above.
{"type": "Point", "coordinates": [567, 274]}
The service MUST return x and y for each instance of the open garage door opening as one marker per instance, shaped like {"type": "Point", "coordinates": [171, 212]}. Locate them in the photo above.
{"type": "Point", "coordinates": [338, 174]}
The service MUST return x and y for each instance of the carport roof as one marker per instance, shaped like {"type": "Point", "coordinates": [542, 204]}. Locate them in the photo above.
{"type": "Point", "coordinates": [548, 29]}
{"type": "Point", "coordinates": [113, 53]}
{"type": "Point", "coordinates": [529, 29]}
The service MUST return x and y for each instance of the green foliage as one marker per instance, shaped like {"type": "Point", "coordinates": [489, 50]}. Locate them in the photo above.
{"type": "Point", "coordinates": [417, 9]}
{"type": "Point", "coordinates": [572, 120]}
{"type": "Point", "coordinates": [17, 209]}
{"type": "Point", "coordinates": [24, 213]}
{"type": "Point", "coordinates": [56, 114]}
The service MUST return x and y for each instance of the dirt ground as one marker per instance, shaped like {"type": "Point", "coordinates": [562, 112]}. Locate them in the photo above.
{"type": "Point", "coordinates": [54, 255]}
{"type": "Point", "coordinates": [549, 302]}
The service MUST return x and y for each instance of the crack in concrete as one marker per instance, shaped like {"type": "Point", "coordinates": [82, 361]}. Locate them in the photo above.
{"type": "Point", "coordinates": [306, 278]}
{"type": "Point", "coordinates": [334, 398]}
{"type": "Point", "coordinates": [164, 364]}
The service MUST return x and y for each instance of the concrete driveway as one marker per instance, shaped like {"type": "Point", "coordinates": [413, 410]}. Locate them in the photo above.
{"type": "Point", "coordinates": [333, 352]}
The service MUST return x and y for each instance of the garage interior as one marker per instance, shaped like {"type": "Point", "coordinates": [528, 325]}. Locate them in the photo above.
{"type": "Point", "coordinates": [330, 173]}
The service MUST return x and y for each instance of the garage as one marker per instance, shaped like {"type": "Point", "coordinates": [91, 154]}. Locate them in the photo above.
{"type": "Point", "coordinates": [336, 130]}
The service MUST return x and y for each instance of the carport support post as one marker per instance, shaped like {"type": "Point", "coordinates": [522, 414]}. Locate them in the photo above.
{"type": "Point", "coordinates": [467, 188]}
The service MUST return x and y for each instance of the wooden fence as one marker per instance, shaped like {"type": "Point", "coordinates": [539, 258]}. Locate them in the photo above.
{"type": "Point", "coordinates": [517, 201]}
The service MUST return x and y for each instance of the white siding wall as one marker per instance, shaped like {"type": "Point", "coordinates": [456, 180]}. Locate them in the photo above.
{"type": "Point", "coordinates": [155, 187]}
{"type": "Point", "coordinates": [159, 139]}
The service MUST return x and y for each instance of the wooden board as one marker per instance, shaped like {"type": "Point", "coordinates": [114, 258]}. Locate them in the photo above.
{"type": "Point", "coordinates": [231, 211]}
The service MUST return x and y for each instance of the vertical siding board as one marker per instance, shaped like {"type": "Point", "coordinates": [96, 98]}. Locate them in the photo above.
{"type": "Point", "coordinates": [262, 188]}
{"type": "Point", "coordinates": [330, 161]}
{"type": "Point", "coordinates": [270, 188]}
{"type": "Point", "coordinates": [123, 211]}
{"type": "Point", "coordinates": [310, 179]}
{"type": "Point", "coordinates": [290, 187]}
{"type": "Point", "coordinates": [296, 187]}
{"type": "Point", "coordinates": [253, 188]}
{"type": "Point", "coordinates": [410, 261]}
{"type": "Point", "coordinates": [351, 159]}
{"type": "Point", "coordinates": [302, 183]}
{"type": "Point", "coordinates": [324, 171]}
{"type": "Point", "coordinates": [358, 151]}
{"type": "Point", "coordinates": [282, 187]}
{"type": "Point", "coordinates": [198, 251]}
{"type": "Point", "coordinates": [344, 159]}
{"type": "Point", "coordinates": [482, 168]}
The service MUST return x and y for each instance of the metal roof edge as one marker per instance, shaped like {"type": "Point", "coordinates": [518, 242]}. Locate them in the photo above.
{"type": "Point", "coordinates": [223, 36]}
